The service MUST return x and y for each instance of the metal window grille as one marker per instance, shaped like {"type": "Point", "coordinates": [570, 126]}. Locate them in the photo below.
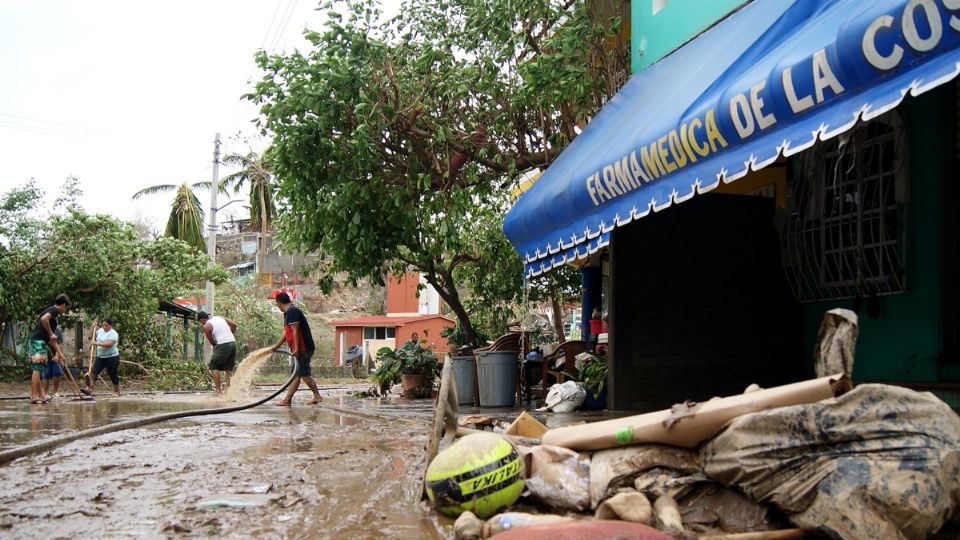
{"type": "Point", "coordinates": [844, 236]}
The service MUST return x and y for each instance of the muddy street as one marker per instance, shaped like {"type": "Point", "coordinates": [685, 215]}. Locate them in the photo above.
{"type": "Point", "coordinates": [268, 472]}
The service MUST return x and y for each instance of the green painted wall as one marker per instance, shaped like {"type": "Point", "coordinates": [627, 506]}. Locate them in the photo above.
{"type": "Point", "coordinates": [660, 26]}
{"type": "Point", "coordinates": [904, 342]}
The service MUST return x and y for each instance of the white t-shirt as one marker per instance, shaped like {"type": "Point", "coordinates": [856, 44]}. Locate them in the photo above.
{"type": "Point", "coordinates": [221, 331]}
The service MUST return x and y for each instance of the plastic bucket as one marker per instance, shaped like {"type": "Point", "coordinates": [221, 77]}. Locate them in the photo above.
{"type": "Point", "coordinates": [463, 373]}
{"type": "Point", "coordinates": [497, 377]}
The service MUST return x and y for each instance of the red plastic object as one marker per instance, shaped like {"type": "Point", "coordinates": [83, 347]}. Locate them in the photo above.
{"type": "Point", "coordinates": [584, 530]}
{"type": "Point", "coordinates": [596, 326]}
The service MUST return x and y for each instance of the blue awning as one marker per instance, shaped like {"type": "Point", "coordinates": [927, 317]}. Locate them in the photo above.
{"type": "Point", "coordinates": [768, 81]}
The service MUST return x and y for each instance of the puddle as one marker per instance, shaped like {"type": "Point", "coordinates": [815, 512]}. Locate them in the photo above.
{"type": "Point", "coordinates": [268, 472]}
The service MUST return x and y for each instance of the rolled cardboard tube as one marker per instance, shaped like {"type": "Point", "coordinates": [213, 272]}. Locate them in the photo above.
{"type": "Point", "coordinates": [689, 425]}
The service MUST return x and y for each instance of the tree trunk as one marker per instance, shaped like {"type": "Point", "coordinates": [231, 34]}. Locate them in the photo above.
{"type": "Point", "coordinates": [452, 298]}
{"type": "Point", "coordinates": [261, 253]}
{"type": "Point", "coordinates": [557, 317]}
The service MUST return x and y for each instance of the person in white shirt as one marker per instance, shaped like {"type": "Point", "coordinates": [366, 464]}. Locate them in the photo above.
{"type": "Point", "coordinates": [219, 332]}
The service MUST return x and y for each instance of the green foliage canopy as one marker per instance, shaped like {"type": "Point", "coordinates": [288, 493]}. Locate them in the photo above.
{"type": "Point", "coordinates": [98, 260]}
{"type": "Point", "coordinates": [390, 140]}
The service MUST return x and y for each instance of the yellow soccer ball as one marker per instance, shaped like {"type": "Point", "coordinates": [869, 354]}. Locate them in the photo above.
{"type": "Point", "coordinates": [481, 472]}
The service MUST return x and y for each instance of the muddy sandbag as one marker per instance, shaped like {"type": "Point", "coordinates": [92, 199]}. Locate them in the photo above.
{"type": "Point", "coordinates": [726, 510]}
{"type": "Point", "coordinates": [878, 462]}
{"type": "Point", "coordinates": [613, 469]}
{"type": "Point", "coordinates": [660, 481]}
{"type": "Point", "coordinates": [560, 478]}
{"type": "Point", "coordinates": [626, 506]}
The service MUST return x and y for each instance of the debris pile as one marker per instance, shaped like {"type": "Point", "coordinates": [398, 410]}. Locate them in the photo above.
{"type": "Point", "coordinates": [875, 461]}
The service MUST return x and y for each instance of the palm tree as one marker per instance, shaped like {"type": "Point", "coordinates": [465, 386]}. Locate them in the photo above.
{"type": "Point", "coordinates": [186, 215]}
{"type": "Point", "coordinates": [256, 174]}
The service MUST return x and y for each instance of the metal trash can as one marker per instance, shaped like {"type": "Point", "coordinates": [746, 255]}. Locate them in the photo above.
{"type": "Point", "coordinates": [497, 377]}
{"type": "Point", "coordinates": [463, 373]}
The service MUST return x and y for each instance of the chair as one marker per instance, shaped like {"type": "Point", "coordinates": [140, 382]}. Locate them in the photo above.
{"type": "Point", "coordinates": [567, 351]}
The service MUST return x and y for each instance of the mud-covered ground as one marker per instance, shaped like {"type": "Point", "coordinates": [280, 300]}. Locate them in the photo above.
{"type": "Point", "coordinates": [268, 472]}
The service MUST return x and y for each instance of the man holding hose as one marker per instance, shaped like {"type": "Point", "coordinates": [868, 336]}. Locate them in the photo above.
{"type": "Point", "coordinates": [297, 335]}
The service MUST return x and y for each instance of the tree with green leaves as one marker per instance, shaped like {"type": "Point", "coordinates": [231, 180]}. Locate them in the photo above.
{"type": "Point", "coordinates": [391, 140]}
{"type": "Point", "coordinates": [185, 221]}
{"type": "Point", "coordinates": [98, 260]}
{"type": "Point", "coordinates": [255, 173]}
{"type": "Point", "coordinates": [497, 294]}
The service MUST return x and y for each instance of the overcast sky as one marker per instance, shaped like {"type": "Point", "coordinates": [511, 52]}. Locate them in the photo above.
{"type": "Point", "coordinates": [129, 94]}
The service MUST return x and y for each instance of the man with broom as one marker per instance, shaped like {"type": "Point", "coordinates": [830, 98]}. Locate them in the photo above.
{"type": "Point", "coordinates": [44, 337]}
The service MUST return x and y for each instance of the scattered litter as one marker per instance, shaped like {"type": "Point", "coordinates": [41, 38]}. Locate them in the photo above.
{"type": "Point", "coordinates": [257, 489]}
{"type": "Point", "coordinates": [612, 469]}
{"type": "Point", "coordinates": [667, 514]}
{"type": "Point", "coordinates": [481, 422]}
{"type": "Point", "coordinates": [284, 518]}
{"type": "Point", "coordinates": [235, 501]}
{"type": "Point", "coordinates": [564, 397]}
{"type": "Point", "coordinates": [468, 527]}
{"type": "Point", "coordinates": [871, 462]}
{"type": "Point", "coordinates": [514, 520]}
{"type": "Point", "coordinates": [560, 478]}
{"type": "Point", "coordinates": [526, 426]}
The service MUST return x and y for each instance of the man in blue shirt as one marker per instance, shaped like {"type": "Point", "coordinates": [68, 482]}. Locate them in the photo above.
{"type": "Point", "coordinates": [297, 335]}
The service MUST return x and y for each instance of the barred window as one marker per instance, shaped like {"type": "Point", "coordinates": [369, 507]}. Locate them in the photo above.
{"type": "Point", "coordinates": [845, 231]}
{"type": "Point", "coordinates": [379, 332]}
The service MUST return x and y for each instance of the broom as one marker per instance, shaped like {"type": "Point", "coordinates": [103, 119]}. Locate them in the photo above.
{"type": "Point", "coordinates": [73, 383]}
{"type": "Point", "coordinates": [88, 376]}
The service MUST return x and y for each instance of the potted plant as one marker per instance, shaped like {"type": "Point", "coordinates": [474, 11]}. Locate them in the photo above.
{"type": "Point", "coordinates": [389, 371]}
{"type": "Point", "coordinates": [593, 375]}
{"type": "Point", "coordinates": [415, 367]}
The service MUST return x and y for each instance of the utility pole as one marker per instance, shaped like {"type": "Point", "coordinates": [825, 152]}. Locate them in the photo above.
{"type": "Point", "coordinates": [212, 231]}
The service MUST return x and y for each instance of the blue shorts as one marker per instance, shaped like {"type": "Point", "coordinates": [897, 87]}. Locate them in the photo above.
{"type": "Point", "coordinates": [303, 363]}
{"type": "Point", "coordinates": [52, 369]}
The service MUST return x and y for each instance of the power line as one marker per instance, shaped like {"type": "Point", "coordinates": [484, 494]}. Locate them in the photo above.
{"type": "Point", "coordinates": [41, 121]}
{"type": "Point", "coordinates": [15, 126]}
{"type": "Point", "coordinates": [293, 7]}
{"type": "Point", "coordinates": [270, 26]}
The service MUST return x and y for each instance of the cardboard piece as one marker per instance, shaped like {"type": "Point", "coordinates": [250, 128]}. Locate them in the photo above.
{"type": "Point", "coordinates": [694, 423]}
{"type": "Point", "coordinates": [526, 426]}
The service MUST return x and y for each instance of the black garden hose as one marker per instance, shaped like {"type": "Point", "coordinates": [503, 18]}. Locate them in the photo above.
{"type": "Point", "coordinates": [7, 456]}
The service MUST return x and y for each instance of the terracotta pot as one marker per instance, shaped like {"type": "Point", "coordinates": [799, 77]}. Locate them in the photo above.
{"type": "Point", "coordinates": [409, 383]}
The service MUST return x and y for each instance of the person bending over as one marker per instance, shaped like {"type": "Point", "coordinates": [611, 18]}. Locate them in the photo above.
{"type": "Point", "coordinates": [219, 332]}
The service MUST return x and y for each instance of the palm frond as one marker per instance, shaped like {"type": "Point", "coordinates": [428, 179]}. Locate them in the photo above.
{"type": "Point", "coordinates": [153, 190]}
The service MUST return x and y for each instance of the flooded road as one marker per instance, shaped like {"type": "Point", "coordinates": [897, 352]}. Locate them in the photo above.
{"type": "Point", "coordinates": [268, 472]}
